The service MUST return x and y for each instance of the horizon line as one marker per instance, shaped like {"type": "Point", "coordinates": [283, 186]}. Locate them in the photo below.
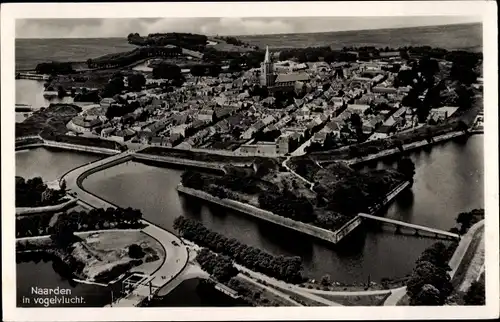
{"type": "Point", "coordinates": [271, 34]}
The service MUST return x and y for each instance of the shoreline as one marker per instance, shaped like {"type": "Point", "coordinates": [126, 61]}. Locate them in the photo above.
{"type": "Point", "coordinates": [25, 211]}
{"type": "Point", "coordinates": [46, 248]}
{"type": "Point", "coordinates": [333, 237]}
{"type": "Point", "coordinates": [410, 147]}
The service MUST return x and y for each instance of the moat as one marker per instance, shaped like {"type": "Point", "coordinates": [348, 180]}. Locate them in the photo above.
{"type": "Point", "coordinates": [435, 199]}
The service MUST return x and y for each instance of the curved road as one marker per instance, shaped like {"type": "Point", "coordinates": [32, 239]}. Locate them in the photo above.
{"type": "Point", "coordinates": [176, 253]}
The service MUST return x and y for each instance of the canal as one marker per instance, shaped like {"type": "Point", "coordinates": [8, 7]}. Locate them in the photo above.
{"type": "Point", "coordinates": [449, 180]}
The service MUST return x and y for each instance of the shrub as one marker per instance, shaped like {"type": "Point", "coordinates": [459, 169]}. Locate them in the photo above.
{"type": "Point", "coordinates": [135, 251]}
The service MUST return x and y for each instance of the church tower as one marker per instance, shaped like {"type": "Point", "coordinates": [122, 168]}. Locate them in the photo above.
{"type": "Point", "coordinates": [268, 70]}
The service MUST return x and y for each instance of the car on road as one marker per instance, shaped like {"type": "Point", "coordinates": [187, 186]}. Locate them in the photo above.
{"type": "Point", "coordinates": [175, 243]}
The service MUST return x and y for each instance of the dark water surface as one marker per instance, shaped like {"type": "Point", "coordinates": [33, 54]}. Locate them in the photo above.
{"type": "Point", "coordinates": [195, 293]}
{"type": "Point", "coordinates": [52, 274]}
{"type": "Point", "coordinates": [449, 180]}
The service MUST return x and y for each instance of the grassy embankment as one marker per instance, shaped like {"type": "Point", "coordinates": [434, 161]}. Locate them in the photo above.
{"type": "Point", "coordinates": [102, 256]}
{"type": "Point", "coordinates": [204, 156]}
{"type": "Point", "coordinates": [50, 119]}
{"type": "Point", "coordinates": [50, 124]}
{"type": "Point", "coordinates": [340, 193]}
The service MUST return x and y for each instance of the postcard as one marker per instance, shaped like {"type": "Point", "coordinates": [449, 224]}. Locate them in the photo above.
{"type": "Point", "coordinates": [250, 161]}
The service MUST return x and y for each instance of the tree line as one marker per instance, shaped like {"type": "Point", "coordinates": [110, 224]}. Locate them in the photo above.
{"type": "Point", "coordinates": [284, 268]}
{"type": "Point", "coordinates": [186, 40]}
{"type": "Point", "coordinates": [35, 193]}
{"type": "Point", "coordinates": [78, 221]}
{"type": "Point", "coordinates": [219, 266]}
{"type": "Point", "coordinates": [430, 282]}
{"type": "Point", "coordinates": [54, 68]}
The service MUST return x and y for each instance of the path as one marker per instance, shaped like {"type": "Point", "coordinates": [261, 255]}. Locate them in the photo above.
{"type": "Point", "coordinates": [176, 253]}
{"type": "Point", "coordinates": [310, 184]}
{"type": "Point", "coordinates": [476, 267]}
{"type": "Point", "coordinates": [270, 289]}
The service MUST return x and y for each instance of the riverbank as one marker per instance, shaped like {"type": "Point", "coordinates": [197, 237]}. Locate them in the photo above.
{"type": "Point", "coordinates": [406, 148]}
{"type": "Point", "coordinates": [79, 144]}
{"type": "Point", "coordinates": [333, 237]}
{"type": "Point", "coordinates": [24, 211]}
{"type": "Point", "coordinates": [320, 233]}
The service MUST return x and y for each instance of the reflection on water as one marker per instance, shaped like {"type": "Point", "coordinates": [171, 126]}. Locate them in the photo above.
{"type": "Point", "coordinates": [153, 190]}
{"type": "Point", "coordinates": [49, 164]}
{"type": "Point", "coordinates": [196, 293]}
{"type": "Point", "coordinates": [31, 92]}
{"type": "Point", "coordinates": [449, 180]}
{"type": "Point", "coordinates": [50, 274]}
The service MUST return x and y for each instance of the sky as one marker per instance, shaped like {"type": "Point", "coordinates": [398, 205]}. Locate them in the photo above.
{"type": "Point", "coordinates": [101, 28]}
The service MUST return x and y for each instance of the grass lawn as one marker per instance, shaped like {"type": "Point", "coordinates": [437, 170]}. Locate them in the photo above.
{"type": "Point", "coordinates": [365, 300]}
{"type": "Point", "coordinates": [266, 298]}
{"type": "Point", "coordinates": [103, 251]}
{"type": "Point", "coordinates": [300, 298]}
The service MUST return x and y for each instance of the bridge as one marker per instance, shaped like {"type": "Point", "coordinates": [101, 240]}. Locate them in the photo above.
{"type": "Point", "coordinates": [33, 76]}
{"type": "Point", "coordinates": [416, 228]}
{"type": "Point", "coordinates": [25, 108]}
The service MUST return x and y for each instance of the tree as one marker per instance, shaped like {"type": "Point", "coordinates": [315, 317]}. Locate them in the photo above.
{"type": "Point", "coordinates": [399, 145]}
{"type": "Point", "coordinates": [62, 185]}
{"type": "Point", "coordinates": [135, 251]}
{"type": "Point", "coordinates": [48, 196]}
{"type": "Point", "coordinates": [61, 92]}
{"type": "Point", "coordinates": [407, 168]}
{"type": "Point", "coordinates": [326, 280]}
{"type": "Point", "coordinates": [356, 120]}
{"type": "Point", "coordinates": [428, 273]}
{"type": "Point", "coordinates": [167, 71]}
{"type": "Point", "coordinates": [63, 234]}
{"type": "Point", "coordinates": [428, 295]}
{"type": "Point", "coordinates": [114, 86]}
{"type": "Point", "coordinates": [475, 294]}
{"type": "Point", "coordinates": [136, 82]}
{"type": "Point", "coordinates": [234, 65]}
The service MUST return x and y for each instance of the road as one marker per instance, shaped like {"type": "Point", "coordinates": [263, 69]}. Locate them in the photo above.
{"type": "Point", "coordinates": [476, 266]}
{"type": "Point", "coordinates": [176, 253]}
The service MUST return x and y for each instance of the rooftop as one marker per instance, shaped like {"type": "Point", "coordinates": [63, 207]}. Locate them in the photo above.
{"type": "Point", "coordinates": [292, 77]}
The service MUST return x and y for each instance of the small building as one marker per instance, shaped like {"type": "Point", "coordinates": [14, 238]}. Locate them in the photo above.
{"type": "Point", "coordinates": [283, 144]}
{"type": "Point", "coordinates": [358, 108]}
{"type": "Point", "coordinates": [85, 124]}
{"type": "Point", "coordinates": [107, 102]}
{"type": "Point", "coordinates": [384, 90]}
{"type": "Point", "coordinates": [443, 112]}
{"type": "Point", "coordinates": [259, 148]}
{"type": "Point", "coordinates": [122, 136]}
{"type": "Point", "coordinates": [206, 115]}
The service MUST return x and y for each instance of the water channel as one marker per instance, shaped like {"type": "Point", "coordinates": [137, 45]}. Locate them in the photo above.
{"type": "Point", "coordinates": [449, 180]}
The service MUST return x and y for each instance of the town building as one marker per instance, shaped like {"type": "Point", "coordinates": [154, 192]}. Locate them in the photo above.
{"type": "Point", "coordinates": [84, 124]}
{"type": "Point", "coordinates": [281, 82]}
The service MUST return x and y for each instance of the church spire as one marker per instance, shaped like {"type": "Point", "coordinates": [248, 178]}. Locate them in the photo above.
{"type": "Point", "coordinates": [266, 58]}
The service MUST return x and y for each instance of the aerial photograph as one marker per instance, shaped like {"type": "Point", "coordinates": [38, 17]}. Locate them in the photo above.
{"type": "Point", "coordinates": [249, 162]}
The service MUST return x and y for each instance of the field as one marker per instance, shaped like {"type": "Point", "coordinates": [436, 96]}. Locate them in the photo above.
{"type": "Point", "coordinates": [222, 45]}
{"type": "Point", "coordinates": [462, 36]}
{"type": "Point", "coordinates": [30, 52]}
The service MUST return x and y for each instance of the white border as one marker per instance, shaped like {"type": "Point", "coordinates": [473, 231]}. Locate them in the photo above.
{"type": "Point", "coordinates": [485, 9]}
